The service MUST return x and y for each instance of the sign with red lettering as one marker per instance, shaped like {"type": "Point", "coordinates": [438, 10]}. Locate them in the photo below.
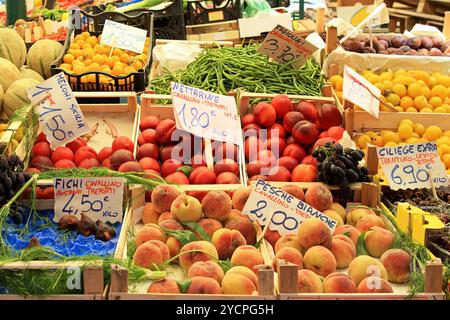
{"type": "Point", "coordinates": [413, 166]}
{"type": "Point", "coordinates": [284, 46]}
{"type": "Point", "coordinates": [99, 198]}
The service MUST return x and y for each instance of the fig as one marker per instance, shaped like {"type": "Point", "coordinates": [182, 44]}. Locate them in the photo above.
{"type": "Point", "coordinates": [411, 52]}
{"type": "Point", "coordinates": [369, 50]}
{"type": "Point", "coordinates": [68, 222]}
{"type": "Point", "coordinates": [355, 46]}
{"type": "Point", "coordinates": [86, 226]}
{"type": "Point", "coordinates": [427, 43]}
{"type": "Point", "coordinates": [386, 38]}
{"type": "Point", "coordinates": [414, 43]}
{"type": "Point", "coordinates": [391, 50]}
{"type": "Point", "coordinates": [376, 45]}
{"type": "Point", "coordinates": [437, 42]}
{"type": "Point", "coordinates": [436, 52]}
{"type": "Point", "coordinates": [423, 52]}
{"type": "Point", "coordinates": [405, 48]}
{"type": "Point", "coordinates": [398, 41]}
{"type": "Point", "coordinates": [104, 231]}
{"type": "Point", "coordinates": [445, 45]}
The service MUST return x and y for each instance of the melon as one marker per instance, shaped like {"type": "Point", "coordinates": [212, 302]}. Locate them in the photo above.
{"type": "Point", "coordinates": [12, 47]}
{"type": "Point", "coordinates": [16, 95]}
{"type": "Point", "coordinates": [2, 94]}
{"type": "Point", "coordinates": [42, 54]}
{"type": "Point", "coordinates": [30, 74]}
{"type": "Point", "coordinates": [8, 73]}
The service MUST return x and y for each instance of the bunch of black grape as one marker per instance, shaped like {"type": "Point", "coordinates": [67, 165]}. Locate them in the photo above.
{"type": "Point", "coordinates": [339, 166]}
{"type": "Point", "coordinates": [12, 178]}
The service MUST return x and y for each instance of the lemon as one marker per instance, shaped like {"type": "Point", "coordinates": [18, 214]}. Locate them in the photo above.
{"type": "Point", "coordinates": [399, 109]}
{"type": "Point", "coordinates": [445, 148]}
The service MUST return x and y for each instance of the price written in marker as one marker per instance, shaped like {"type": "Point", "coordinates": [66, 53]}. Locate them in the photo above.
{"type": "Point", "coordinates": [59, 113]}
{"type": "Point", "coordinates": [413, 166]}
{"type": "Point", "coordinates": [118, 35]}
{"type": "Point", "coordinates": [98, 198]}
{"type": "Point", "coordinates": [206, 114]}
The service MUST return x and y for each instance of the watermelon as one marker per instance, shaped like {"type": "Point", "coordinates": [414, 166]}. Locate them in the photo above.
{"type": "Point", "coordinates": [12, 47]}
{"type": "Point", "coordinates": [42, 54]}
{"type": "Point", "coordinates": [16, 95]}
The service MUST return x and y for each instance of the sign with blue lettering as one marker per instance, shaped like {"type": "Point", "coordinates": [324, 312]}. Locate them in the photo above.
{"type": "Point", "coordinates": [59, 114]}
{"type": "Point", "coordinates": [287, 212]}
{"type": "Point", "coordinates": [412, 166]}
{"type": "Point", "coordinates": [118, 35]}
{"type": "Point", "coordinates": [206, 114]}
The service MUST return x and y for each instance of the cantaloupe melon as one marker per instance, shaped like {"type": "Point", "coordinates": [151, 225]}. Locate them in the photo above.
{"type": "Point", "coordinates": [8, 73]}
{"type": "Point", "coordinates": [30, 74]}
{"type": "Point", "coordinates": [42, 54]}
{"type": "Point", "coordinates": [16, 95]}
{"type": "Point", "coordinates": [12, 47]}
{"type": "Point", "coordinates": [2, 94]}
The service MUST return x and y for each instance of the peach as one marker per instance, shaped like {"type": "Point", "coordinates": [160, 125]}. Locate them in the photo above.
{"type": "Point", "coordinates": [374, 285]}
{"type": "Point", "coordinates": [304, 132]}
{"type": "Point", "coordinates": [397, 263]}
{"type": "Point", "coordinates": [288, 162]}
{"type": "Point", "coordinates": [119, 157]}
{"type": "Point", "coordinates": [288, 254]}
{"type": "Point", "coordinates": [309, 282]}
{"type": "Point", "coordinates": [244, 226]}
{"type": "Point", "coordinates": [61, 153]}
{"type": "Point", "coordinates": [272, 236]}
{"type": "Point", "coordinates": [308, 109]}
{"type": "Point", "coordinates": [224, 150]}
{"type": "Point", "coordinates": [164, 130]}
{"type": "Point", "coordinates": [226, 165]}
{"type": "Point", "coordinates": [163, 196]}
{"type": "Point", "coordinates": [320, 260]}
{"type": "Point", "coordinates": [65, 164]}
{"type": "Point", "coordinates": [42, 149]}
{"type": "Point", "coordinates": [174, 246]}
{"type": "Point", "coordinates": [369, 221]}
{"type": "Point", "coordinates": [240, 197]}
{"type": "Point", "coordinates": [210, 225]}
{"type": "Point", "coordinates": [170, 166]}
{"type": "Point", "coordinates": [282, 105]}
{"type": "Point", "coordinates": [226, 241]}
{"type": "Point", "coordinates": [295, 151]}
{"type": "Point", "coordinates": [216, 205]}
{"type": "Point", "coordinates": [83, 154]}
{"type": "Point", "coordinates": [247, 119]}
{"type": "Point", "coordinates": [343, 250]}
{"type": "Point", "coordinates": [148, 255]}
{"type": "Point", "coordinates": [204, 285]}
{"type": "Point", "coordinates": [170, 224]}
{"type": "Point", "coordinates": [339, 209]}
{"type": "Point", "coordinates": [129, 166]}
{"type": "Point", "coordinates": [247, 256]}
{"type": "Point", "coordinates": [335, 216]}
{"type": "Point", "coordinates": [149, 122]}
{"type": "Point", "coordinates": [246, 272]}
{"type": "Point", "coordinates": [177, 178]}
{"type": "Point", "coordinates": [357, 213]}
{"type": "Point", "coordinates": [239, 280]}
{"type": "Point", "coordinates": [199, 195]}
{"type": "Point", "coordinates": [227, 178]}
{"type": "Point", "coordinates": [122, 142]}
{"type": "Point", "coordinates": [339, 283]}
{"type": "Point", "coordinates": [186, 208]}
{"type": "Point", "coordinates": [148, 163]}
{"type": "Point", "coordinates": [294, 191]}
{"type": "Point", "coordinates": [328, 115]}
{"type": "Point", "coordinates": [149, 232]}
{"type": "Point", "coordinates": [312, 232]}
{"type": "Point", "coordinates": [364, 266]}
{"type": "Point", "coordinates": [290, 119]}
{"type": "Point", "coordinates": [76, 144]}
{"type": "Point", "coordinates": [349, 231]}
{"type": "Point", "coordinates": [289, 240]}
{"type": "Point", "coordinates": [278, 173]}
{"type": "Point", "coordinates": [168, 285]}
{"type": "Point", "coordinates": [304, 173]}
{"type": "Point", "coordinates": [378, 241]}
{"type": "Point", "coordinates": [150, 215]}
{"type": "Point", "coordinates": [207, 269]}
{"type": "Point", "coordinates": [162, 247]}
{"type": "Point", "coordinates": [319, 197]}
{"type": "Point", "coordinates": [147, 150]}
{"type": "Point", "coordinates": [202, 251]}
{"type": "Point", "coordinates": [202, 175]}
{"type": "Point", "coordinates": [265, 114]}
{"type": "Point", "coordinates": [147, 136]}
{"type": "Point", "coordinates": [166, 216]}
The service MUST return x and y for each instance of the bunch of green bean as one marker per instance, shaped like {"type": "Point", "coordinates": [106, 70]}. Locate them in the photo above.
{"type": "Point", "coordinates": [224, 69]}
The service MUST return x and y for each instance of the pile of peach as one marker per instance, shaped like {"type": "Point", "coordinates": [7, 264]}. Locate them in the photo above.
{"type": "Point", "coordinates": [160, 152]}
{"type": "Point", "coordinates": [280, 137]}
{"type": "Point", "coordinates": [232, 237]}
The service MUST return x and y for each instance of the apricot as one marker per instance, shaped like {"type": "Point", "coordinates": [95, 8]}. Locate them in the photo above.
{"type": "Point", "coordinates": [207, 269]}
{"type": "Point", "coordinates": [289, 240]}
{"type": "Point", "coordinates": [216, 205]}
{"type": "Point", "coordinates": [290, 119]}
{"type": "Point", "coordinates": [364, 266]}
{"type": "Point", "coordinates": [344, 250]}
{"type": "Point", "coordinates": [239, 280]}
{"type": "Point", "coordinates": [272, 236]}
{"type": "Point", "coordinates": [357, 213]}
{"type": "Point", "coordinates": [174, 246]}
{"type": "Point", "coordinates": [149, 122]}
{"type": "Point", "coordinates": [374, 285]}
{"type": "Point", "coordinates": [129, 166]}
{"type": "Point", "coordinates": [309, 282]}
{"type": "Point", "coordinates": [319, 197]}
{"type": "Point", "coordinates": [397, 263]}
{"type": "Point", "coordinates": [147, 136]}
{"type": "Point", "coordinates": [210, 225]}
{"type": "Point", "coordinates": [294, 191]}
{"type": "Point", "coordinates": [339, 209]}
{"type": "Point", "coordinates": [186, 208]}
{"type": "Point", "coordinates": [149, 232]}
{"type": "Point", "coordinates": [265, 114]}
{"type": "Point", "coordinates": [348, 231]}
{"type": "Point", "coordinates": [304, 173]}
{"type": "Point", "coordinates": [294, 151]}
{"type": "Point", "coordinates": [226, 241]}
{"type": "Point", "coordinates": [378, 241]}
{"type": "Point", "coordinates": [335, 216]}
{"type": "Point", "coordinates": [202, 251]}
{"type": "Point", "coordinates": [227, 178]}
{"type": "Point", "coordinates": [150, 215]}
{"type": "Point", "coordinates": [119, 157]}
{"type": "Point", "coordinates": [369, 221]}
{"type": "Point", "coordinates": [313, 232]}
{"type": "Point", "coordinates": [122, 142]}
{"type": "Point", "coordinates": [240, 197]}
{"type": "Point", "coordinates": [339, 283]}
{"type": "Point", "coordinates": [288, 254]}
{"type": "Point", "coordinates": [42, 149]}
{"type": "Point", "coordinates": [244, 226]}
{"type": "Point", "coordinates": [149, 255]}
{"type": "Point", "coordinates": [288, 162]}
{"type": "Point", "coordinates": [168, 285]}
{"type": "Point", "coordinates": [62, 153]}
{"type": "Point", "coordinates": [163, 196]}
{"type": "Point", "coordinates": [247, 256]}
{"type": "Point", "coordinates": [204, 285]}
{"type": "Point", "coordinates": [320, 260]}
{"type": "Point", "coordinates": [164, 131]}
{"type": "Point", "coordinates": [202, 175]}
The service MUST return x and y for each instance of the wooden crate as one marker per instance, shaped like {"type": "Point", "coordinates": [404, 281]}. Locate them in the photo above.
{"type": "Point", "coordinates": [119, 287]}
{"type": "Point", "coordinates": [218, 31]}
{"type": "Point", "coordinates": [8, 135]}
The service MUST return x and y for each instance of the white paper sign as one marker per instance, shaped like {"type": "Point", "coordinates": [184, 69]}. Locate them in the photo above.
{"type": "Point", "coordinates": [412, 166]}
{"type": "Point", "coordinates": [361, 92]}
{"type": "Point", "coordinates": [289, 212]}
{"type": "Point", "coordinates": [60, 115]}
{"type": "Point", "coordinates": [206, 114]}
{"type": "Point", "coordinates": [99, 198]}
{"type": "Point", "coordinates": [118, 35]}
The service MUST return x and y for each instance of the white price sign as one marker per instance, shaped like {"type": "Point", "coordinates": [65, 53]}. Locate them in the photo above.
{"type": "Point", "coordinates": [287, 212]}
{"type": "Point", "coordinates": [206, 114]}
{"type": "Point", "coordinates": [361, 92]}
{"type": "Point", "coordinates": [413, 166]}
{"type": "Point", "coordinates": [60, 115]}
{"type": "Point", "coordinates": [98, 198]}
{"type": "Point", "coordinates": [118, 35]}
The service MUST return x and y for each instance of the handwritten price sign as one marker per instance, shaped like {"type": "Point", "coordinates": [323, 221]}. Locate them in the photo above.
{"type": "Point", "coordinates": [118, 35]}
{"type": "Point", "coordinates": [287, 212]}
{"type": "Point", "coordinates": [412, 166]}
{"type": "Point", "coordinates": [283, 46]}
{"type": "Point", "coordinates": [60, 116]}
{"type": "Point", "coordinates": [98, 198]}
{"type": "Point", "coordinates": [206, 114]}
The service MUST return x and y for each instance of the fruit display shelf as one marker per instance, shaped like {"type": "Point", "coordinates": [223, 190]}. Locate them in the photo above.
{"type": "Point", "coordinates": [121, 287]}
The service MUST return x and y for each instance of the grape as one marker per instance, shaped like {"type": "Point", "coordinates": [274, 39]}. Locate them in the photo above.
{"type": "Point", "coordinates": [339, 163]}
{"type": "Point", "coordinates": [26, 176]}
{"type": "Point", "coordinates": [319, 166]}
{"type": "Point", "coordinates": [320, 177]}
{"type": "Point", "coordinates": [12, 176]}
{"type": "Point", "coordinates": [364, 170]}
{"type": "Point", "coordinates": [13, 159]}
{"type": "Point", "coordinates": [2, 190]}
{"type": "Point", "coordinates": [351, 175]}
{"type": "Point", "coordinates": [361, 153]}
{"type": "Point", "coordinates": [20, 179]}
{"type": "Point", "coordinates": [348, 163]}
{"type": "Point", "coordinates": [340, 173]}
{"type": "Point", "coordinates": [339, 149]}
{"type": "Point", "coordinates": [7, 183]}
{"type": "Point", "coordinates": [326, 165]}
{"type": "Point", "coordinates": [3, 163]}
{"type": "Point", "coordinates": [333, 169]}
{"type": "Point", "coordinates": [356, 155]}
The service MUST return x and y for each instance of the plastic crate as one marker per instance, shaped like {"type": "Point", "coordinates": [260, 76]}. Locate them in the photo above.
{"type": "Point", "coordinates": [203, 12]}
{"type": "Point", "coordinates": [94, 24]}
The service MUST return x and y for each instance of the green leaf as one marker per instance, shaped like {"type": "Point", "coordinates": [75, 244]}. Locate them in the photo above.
{"type": "Point", "coordinates": [225, 265]}
{"type": "Point", "coordinates": [199, 229]}
{"type": "Point", "coordinates": [186, 170]}
{"type": "Point", "coordinates": [361, 249]}
{"type": "Point", "coordinates": [184, 236]}
{"type": "Point", "coordinates": [347, 234]}
{"type": "Point", "coordinates": [184, 285]}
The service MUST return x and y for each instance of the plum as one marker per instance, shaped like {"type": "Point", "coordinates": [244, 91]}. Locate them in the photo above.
{"type": "Point", "coordinates": [398, 41]}
{"type": "Point", "coordinates": [414, 43]}
{"type": "Point", "coordinates": [427, 43]}
{"type": "Point", "coordinates": [436, 52]}
{"type": "Point", "coordinates": [437, 42]}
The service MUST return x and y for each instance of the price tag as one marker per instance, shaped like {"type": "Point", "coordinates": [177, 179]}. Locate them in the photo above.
{"type": "Point", "coordinates": [60, 115]}
{"type": "Point", "coordinates": [283, 46]}
{"type": "Point", "coordinates": [206, 114]}
{"type": "Point", "coordinates": [125, 37]}
{"type": "Point", "coordinates": [288, 211]}
{"type": "Point", "coordinates": [98, 198]}
{"type": "Point", "coordinates": [361, 92]}
{"type": "Point", "coordinates": [413, 166]}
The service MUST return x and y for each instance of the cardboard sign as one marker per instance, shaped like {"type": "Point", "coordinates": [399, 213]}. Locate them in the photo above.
{"type": "Point", "coordinates": [283, 46]}
{"type": "Point", "coordinates": [59, 115]}
{"type": "Point", "coordinates": [206, 114]}
{"type": "Point", "coordinates": [361, 92]}
{"type": "Point", "coordinates": [98, 198]}
{"type": "Point", "coordinates": [413, 166]}
{"type": "Point", "coordinates": [118, 35]}
{"type": "Point", "coordinates": [288, 211]}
